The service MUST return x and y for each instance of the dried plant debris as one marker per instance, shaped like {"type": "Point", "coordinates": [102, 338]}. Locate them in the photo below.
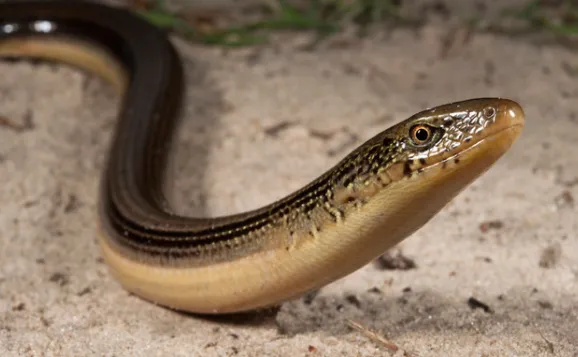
{"type": "Point", "coordinates": [375, 290]}
{"type": "Point", "coordinates": [276, 129]}
{"type": "Point", "coordinates": [377, 338]}
{"type": "Point", "coordinates": [550, 256]}
{"type": "Point", "coordinates": [27, 123]}
{"type": "Point", "coordinates": [474, 303]}
{"type": "Point", "coordinates": [353, 300]}
{"type": "Point", "coordinates": [491, 225]}
{"type": "Point", "coordinates": [547, 305]}
{"type": "Point", "coordinates": [389, 261]}
{"type": "Point", "coordinates": [20, 307]}
{"type": "Point", "coordinates": [59, 278]}
{"type": "Point", "coordinates": [309, 297]}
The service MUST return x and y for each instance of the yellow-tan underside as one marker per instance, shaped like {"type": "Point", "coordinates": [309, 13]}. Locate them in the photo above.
{"type": "Point", "coordinates": [73, 52]}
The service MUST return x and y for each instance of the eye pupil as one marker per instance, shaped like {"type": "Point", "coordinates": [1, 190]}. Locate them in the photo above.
{"type": "Point", "coordinates": [421, 134]}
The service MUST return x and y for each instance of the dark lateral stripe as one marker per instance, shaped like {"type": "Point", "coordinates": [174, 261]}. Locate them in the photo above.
{"type": "Point", "coordinates": [151, 236]}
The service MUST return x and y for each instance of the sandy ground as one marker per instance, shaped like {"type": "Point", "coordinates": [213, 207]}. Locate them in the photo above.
{"type": "Point", "coordinates": [260, 123]}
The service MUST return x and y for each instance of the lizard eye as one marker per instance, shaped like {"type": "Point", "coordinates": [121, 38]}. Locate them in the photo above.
{"type": "Point", "coordinates": [420, 134]}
